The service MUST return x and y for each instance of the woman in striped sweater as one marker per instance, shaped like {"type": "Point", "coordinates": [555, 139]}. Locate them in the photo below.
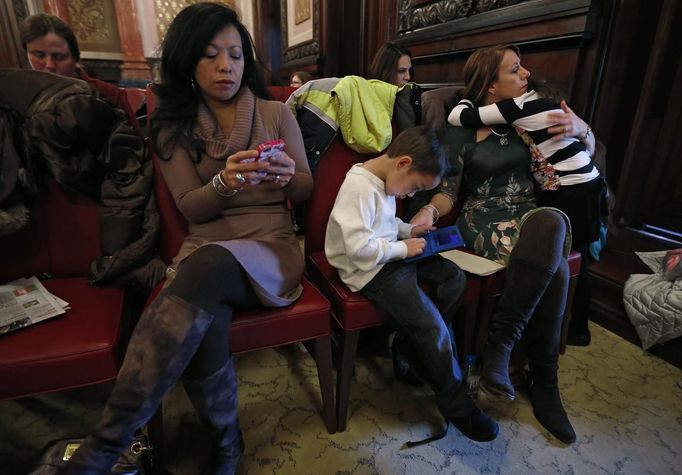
{"type": "Point", "coordinates": [501, 220]}
{"type": "Point", "coordinates": [563, 168]}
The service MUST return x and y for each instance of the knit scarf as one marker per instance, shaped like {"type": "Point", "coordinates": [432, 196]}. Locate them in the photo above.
{"type": "Point", "coordinates": [246, 125]}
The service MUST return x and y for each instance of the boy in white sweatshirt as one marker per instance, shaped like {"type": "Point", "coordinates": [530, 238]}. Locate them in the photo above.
{"type": "Point", "coordinates": [367, 243]}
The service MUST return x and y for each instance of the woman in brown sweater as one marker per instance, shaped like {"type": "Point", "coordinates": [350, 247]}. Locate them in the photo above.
{"type": "Point", "coordinates": [241, 250]}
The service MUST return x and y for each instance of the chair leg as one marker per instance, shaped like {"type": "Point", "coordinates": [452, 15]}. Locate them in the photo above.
{"type": "Point", "coordinates": [486, 309]}
{"type": "Point", "coordinates": [349, 347]}
{"type": "Point", "coordinates": [323, 359]}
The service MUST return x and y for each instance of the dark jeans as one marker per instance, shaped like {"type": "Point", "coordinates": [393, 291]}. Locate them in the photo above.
{"type": "Point", "coordinates": [426, 323]}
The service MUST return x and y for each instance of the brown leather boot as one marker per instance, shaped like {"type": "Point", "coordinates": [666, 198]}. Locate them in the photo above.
{"type": "Point", "coordinates": [163, 342]}
{"type": "Point", "coordinates": [215, 400]}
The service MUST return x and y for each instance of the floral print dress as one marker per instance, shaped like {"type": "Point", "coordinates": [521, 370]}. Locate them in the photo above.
{"type": "Point", "coordinates": [499, 190]}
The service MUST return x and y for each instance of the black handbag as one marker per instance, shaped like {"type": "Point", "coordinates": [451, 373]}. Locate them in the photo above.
{"type": "Point", "coordinates": [136, 460]}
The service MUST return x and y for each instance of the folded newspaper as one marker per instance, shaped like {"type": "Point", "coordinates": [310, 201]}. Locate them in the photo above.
{"type": "Point", "coordinates": [24, 302]}
{"type": "Point", "coordinates": [472, 263]}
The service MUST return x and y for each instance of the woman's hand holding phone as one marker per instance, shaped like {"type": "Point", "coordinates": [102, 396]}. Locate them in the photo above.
{"type": "Point", "coordinates": [242, 169]}
{"type": "Point", "coordinates": [282, 167]}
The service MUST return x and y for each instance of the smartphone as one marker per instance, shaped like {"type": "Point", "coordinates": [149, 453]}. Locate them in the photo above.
{"type": "Point", "coordinates": [268, 149]}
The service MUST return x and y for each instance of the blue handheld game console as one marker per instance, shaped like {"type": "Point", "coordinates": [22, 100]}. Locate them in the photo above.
{"type": "Point", "coordinates": [440, 240]}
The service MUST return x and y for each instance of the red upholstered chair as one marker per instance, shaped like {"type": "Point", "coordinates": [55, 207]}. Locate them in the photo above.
{"type": "Point", "coordinates": [280, 93]}
{"type": "Point", "coordinates": [136, 97]}
{"type": "Point", "coordinates": [352, 311]}
{"type": "Point", "coordinates": [85, 345]}
{"type": "Point", "coordinates": [308, 320]}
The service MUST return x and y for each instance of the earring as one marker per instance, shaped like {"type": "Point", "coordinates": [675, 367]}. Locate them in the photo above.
{"type": "Point", "coordinates": [194, 85]}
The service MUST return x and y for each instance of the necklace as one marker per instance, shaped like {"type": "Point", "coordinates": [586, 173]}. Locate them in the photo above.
{"type": "Point", "coordinates": [504, 141]}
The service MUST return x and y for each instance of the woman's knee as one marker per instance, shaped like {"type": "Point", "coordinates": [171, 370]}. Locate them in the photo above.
{"type": "Point", "coordinates": [545, 222]}
{"type": "Point", "coordinates": [201, 277]}
{"type": "Point", "coordinates": [541, 242]}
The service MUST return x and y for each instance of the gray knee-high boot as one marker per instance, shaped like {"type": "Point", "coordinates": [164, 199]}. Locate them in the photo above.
{"type": "Point", "coordinates": [215, 400]}
{"type": "Point", "coordinates": [544, 334]}
{"type": "Point", "coordinates": [535, 258]}
{"type": "Point", "coordinates": [164, 341]}
{"type": "Point", "coordinates": [525, 285]}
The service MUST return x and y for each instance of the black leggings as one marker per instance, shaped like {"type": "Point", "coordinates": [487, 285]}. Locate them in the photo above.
{"type": "Point", "coordinates": [212, 279]}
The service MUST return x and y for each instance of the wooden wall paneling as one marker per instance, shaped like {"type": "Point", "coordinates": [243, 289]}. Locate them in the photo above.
{"type": "Point", "coordinates": [268, 38]}
{"type": "Point", "coordinates": [655, 130]}
{"type": "Point", "coordinates": [343, 37]}
{"type": "Point", "coordinates": [330, 10]}
{"type": "Point", "coordinates": [12, 54]}
{"type": "Point", "coordinates": [627, 54]}
{"type": "Point", "coordinates": [352, 39]}
{"type": "Point", "coordinates": [591, 61]}
{"type": "Point", "coordinates": [663, 187]}
{"type": "Point", "coordinates": [380, 27]}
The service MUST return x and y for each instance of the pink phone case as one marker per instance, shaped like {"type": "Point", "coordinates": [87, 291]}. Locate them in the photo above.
{"type": "Point", "coordinates": [268, 149]}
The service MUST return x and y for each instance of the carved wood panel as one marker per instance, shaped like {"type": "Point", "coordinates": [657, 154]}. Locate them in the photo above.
{"type": "Point", "coordinates": [413, 15]}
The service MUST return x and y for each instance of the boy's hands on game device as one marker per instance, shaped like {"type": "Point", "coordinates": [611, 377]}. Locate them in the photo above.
{"type": "Point", "coordinates": [415, 246]}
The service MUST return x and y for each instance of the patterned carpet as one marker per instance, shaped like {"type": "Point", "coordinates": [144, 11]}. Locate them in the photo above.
{"type": "Point", "coordinates": [626, 407]}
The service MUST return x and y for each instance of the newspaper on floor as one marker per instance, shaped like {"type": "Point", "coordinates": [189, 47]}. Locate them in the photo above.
{"type": "Point", "coordinates": [24, 302]}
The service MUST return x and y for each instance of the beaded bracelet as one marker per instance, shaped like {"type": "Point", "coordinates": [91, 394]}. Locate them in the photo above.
{"type": "Point", "coordinates": [434, 211]}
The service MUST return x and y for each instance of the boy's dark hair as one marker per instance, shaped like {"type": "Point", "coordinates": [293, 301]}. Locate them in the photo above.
{"type": "Point", "coordinates": [41, 24]}
{"type": "Point", "coordinates": [425, 146]}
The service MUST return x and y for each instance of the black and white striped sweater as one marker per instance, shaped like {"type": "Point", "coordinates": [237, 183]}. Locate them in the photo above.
{"type": "Point", "coordinates": [529, 112]}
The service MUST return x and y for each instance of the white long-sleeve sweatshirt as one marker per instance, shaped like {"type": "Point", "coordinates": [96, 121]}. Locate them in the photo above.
{"type": "Point", "coordinates": [363, 232]}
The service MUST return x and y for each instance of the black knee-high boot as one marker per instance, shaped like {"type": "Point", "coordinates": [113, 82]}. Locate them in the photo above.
{"type": "Point", "coordinates": [164, 341]}
{"type": "Point", "coordinates": [215, 400]}
{"type": "Point", "coordinates": [532, 264]}
{"type": "Point", "coordinates": [525, 285]}
{"type": "Point", "coordinates": [544, 334]}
